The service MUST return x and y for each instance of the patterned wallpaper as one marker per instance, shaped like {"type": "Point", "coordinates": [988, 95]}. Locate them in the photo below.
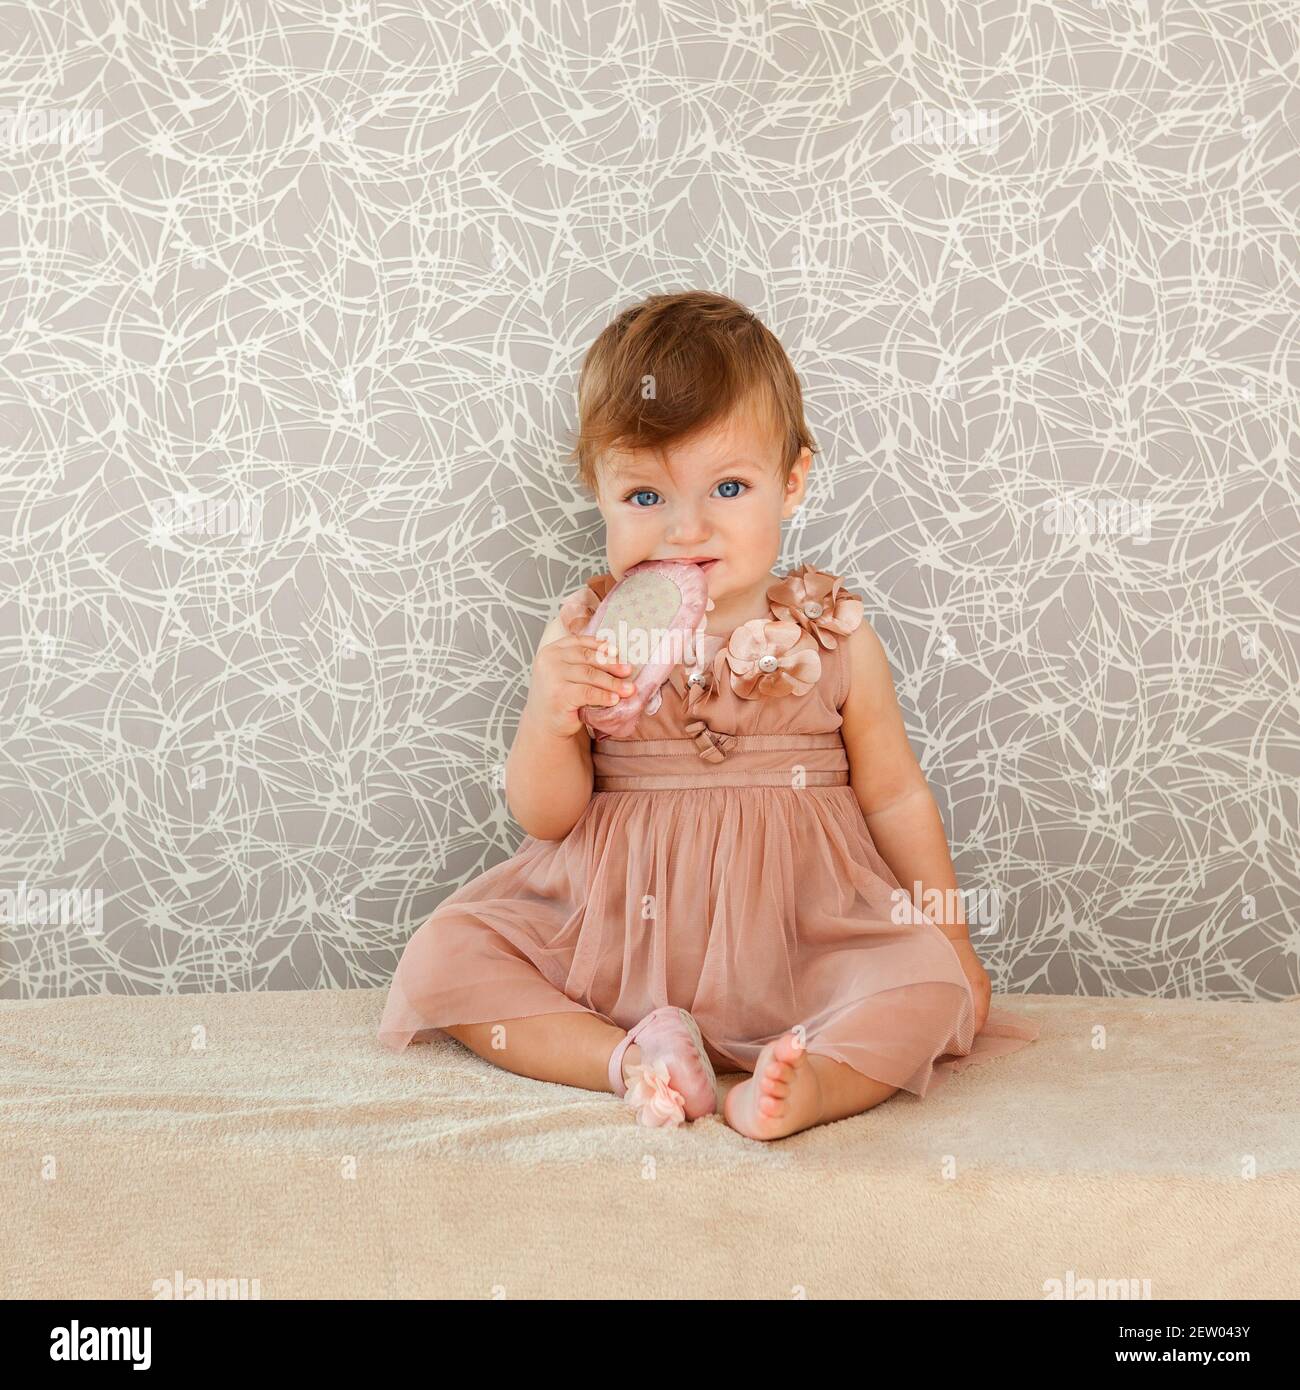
{"type": "Point", "coordinates": [294, 300]}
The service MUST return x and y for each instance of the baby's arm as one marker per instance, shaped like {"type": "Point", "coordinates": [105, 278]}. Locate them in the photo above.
{"type": "Point", "coordinates": [549, 772]}
{"type": "Point", "coordinates": [896, 802]}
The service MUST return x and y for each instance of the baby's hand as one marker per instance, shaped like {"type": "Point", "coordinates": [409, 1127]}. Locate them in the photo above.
{"type": "Point", "coordinates": [977, 977]}
{"type": "Point", "coordinates": [570, 673]}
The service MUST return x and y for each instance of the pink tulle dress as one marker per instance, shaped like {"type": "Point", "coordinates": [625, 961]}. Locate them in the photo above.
{"type": "Point", "coordinates": [722, 865]}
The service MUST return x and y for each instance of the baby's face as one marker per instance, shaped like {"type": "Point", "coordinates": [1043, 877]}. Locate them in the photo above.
{"type": "Point", "coordinates": [719, 498]}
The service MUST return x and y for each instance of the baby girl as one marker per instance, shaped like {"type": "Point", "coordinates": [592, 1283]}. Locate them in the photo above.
{"type": "Point", "coordinates": [721, 889]}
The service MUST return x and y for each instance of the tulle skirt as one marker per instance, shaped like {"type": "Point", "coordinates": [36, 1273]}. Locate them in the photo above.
{"type": "Point", "coordinates": [759, 909]}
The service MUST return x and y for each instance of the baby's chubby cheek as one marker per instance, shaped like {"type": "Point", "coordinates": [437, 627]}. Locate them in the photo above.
{"type": "Point", "coordinates": [619, 561]}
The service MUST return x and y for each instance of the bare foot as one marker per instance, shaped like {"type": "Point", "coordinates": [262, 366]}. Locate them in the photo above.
{"type": "Point", "coordinates": [782, 1096]}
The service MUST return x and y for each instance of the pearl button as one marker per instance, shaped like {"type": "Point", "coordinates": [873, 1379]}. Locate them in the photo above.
{"type": "Point", "coordinates": [695, 678]}
{"type": "Point", "coordinates": [767, 663]}
{"type": "Point", "coordinates": [813, 609]}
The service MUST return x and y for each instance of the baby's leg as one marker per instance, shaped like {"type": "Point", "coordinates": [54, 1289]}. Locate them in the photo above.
{"type": "Point", "coordinates": [793, 1089]}
{"type": "Point", "coordinates": [721, 1065]}
{"type": "Point", "coordinates": [570, 1047]}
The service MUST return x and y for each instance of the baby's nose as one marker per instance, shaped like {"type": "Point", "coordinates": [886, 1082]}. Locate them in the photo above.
{"type": "Point", "coordinates": [687, 528]}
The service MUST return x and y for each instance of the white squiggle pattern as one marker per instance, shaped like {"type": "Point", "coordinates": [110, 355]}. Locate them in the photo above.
{"type": "Point", "coordinates": [292, 316]}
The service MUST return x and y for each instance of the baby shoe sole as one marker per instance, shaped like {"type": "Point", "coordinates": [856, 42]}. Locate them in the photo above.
{"type": "Point", "coordinates": [694, 1029]}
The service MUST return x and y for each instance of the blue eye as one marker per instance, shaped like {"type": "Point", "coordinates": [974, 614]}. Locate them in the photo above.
{"type": "Point", "coordinates": [634, 497]}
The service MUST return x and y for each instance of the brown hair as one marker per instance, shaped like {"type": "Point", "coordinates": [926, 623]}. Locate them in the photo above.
{"type": "Point", "coordinates": [705, 354]}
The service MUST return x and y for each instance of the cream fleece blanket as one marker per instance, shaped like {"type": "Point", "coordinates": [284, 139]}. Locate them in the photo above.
{"type": "Point", "coordinates": [269, 1137]}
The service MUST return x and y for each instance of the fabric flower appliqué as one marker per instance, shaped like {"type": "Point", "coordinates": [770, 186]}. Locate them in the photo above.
{"type": "Point", "coordinates": [655, 1101]}
{"type": "Point", "coordinates": [818, 603]}
{"type": "Point", "coordinates": [765, 660]}
{"type": "Point", "coordinates": [695, 678]}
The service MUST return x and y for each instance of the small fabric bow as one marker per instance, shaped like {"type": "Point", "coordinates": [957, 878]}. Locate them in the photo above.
{"type": "Point", "coordinates": [712, 746]}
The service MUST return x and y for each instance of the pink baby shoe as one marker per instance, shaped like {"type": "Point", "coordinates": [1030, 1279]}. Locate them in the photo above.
{"type": "Point", "coordinates": [674, 1081]}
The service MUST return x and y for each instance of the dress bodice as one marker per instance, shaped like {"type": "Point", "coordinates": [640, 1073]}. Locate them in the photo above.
{"type": "Point", "coordinates": [765, 698]}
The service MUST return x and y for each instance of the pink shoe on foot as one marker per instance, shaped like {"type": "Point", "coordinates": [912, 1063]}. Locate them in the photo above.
{"type": "Point", "coordinates": [674, 1081]}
